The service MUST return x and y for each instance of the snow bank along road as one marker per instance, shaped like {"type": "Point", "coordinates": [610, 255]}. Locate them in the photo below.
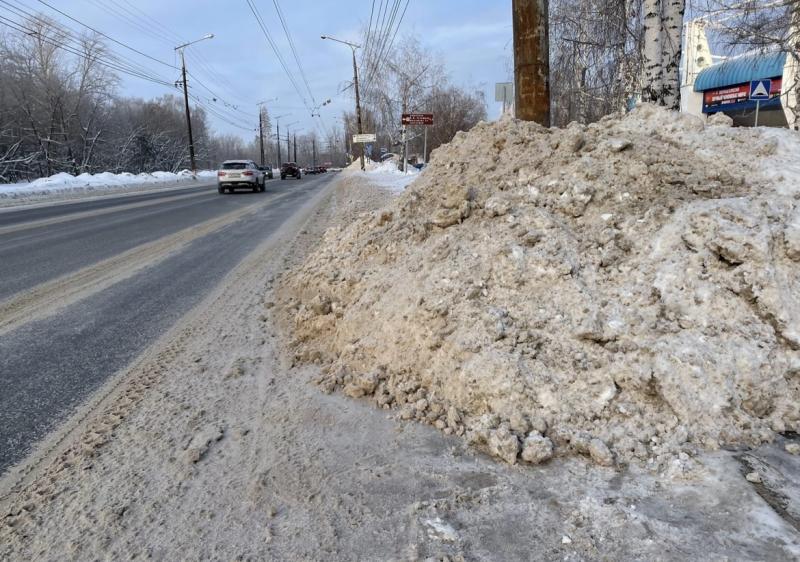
{"type": "Point", "coordinates": [86, 286]}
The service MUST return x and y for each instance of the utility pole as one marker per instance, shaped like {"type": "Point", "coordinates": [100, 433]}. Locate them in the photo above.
{"type": "Point", "coordinates": [358, 109]}
{"type": "Point", "coordinates": [278, 135]}
{"type": "Point", "coordinates": [261, 105]}
{"type": "Point", "coordinates": [188, 114]}
{"type": "Point", "coordinates": [532, 60]}
{"type": "Point", "coordinates": [353, 48]}
{"type": "Point", "coordinates": [295, 146]}
{"type": "Point", "coordinates": [405, 141]}
{"type": "Point", "coordinates": [314, 151]}
{"type": "Point", "coordinates": [261, 133]}
{"type": "Point", "coordinates": [181, 48]}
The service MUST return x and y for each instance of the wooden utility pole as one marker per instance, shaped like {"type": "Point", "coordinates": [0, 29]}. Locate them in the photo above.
{"type": "Point", "coordinates": [358, 106]}
{"type": "Point", "coordinates": [181, 49]}
{"type": "Point", "coordinates": [278, 129]}
{"type": "Point", "coordinates": [188, 114]}
{"type": "Point", "coordinates": [261, 132]}
{"type": "Point", "coordinates": [353, 48]}
{"type": "Point", "coordinates": [532, 60]}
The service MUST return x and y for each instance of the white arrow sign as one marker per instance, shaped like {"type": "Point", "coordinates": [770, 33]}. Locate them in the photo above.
{"type": "Point", "coordinates": [364, 138]}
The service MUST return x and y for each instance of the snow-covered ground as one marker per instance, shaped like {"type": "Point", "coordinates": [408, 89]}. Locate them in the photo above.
{"type": "Point", "coordinates": [386, 174]}
{"type": "Point", "coordinates": [214, 447]}
{"type": "Point", "coordinates": [67, 184]}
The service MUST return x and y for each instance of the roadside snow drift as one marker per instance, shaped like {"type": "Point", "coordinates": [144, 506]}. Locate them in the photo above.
{"type": "Point", "coordinates": [627, 290]}
{"type": "Point", "coordinates": [63, 182]}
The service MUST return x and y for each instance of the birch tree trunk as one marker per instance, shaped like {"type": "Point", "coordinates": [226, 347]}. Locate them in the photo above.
{"type": "Point", "coordinates": [794, 53]}
{"type": "Point", "coordinates": [651, 52]}
{"type": "Point", "coordinates": [663, 25]}
{"type": "Point", "coordinates": [671, 35]}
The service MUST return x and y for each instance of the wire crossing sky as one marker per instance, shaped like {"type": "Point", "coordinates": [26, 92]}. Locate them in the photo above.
{"type": "Point", "coordinates": [266, 49]}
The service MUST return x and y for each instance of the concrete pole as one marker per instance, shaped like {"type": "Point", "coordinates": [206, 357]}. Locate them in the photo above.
{"type": "Point", "coordinates": [278, 142]}
{"type": "Point", "coordinates": [425, 147]}
{"type": "Point", "coordinates": [532, 60]}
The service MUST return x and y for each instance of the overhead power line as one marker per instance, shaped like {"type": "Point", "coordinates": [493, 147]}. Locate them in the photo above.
{"type": "Point", "coordinates": [21, 28]}
{"type": "Point", "coordinates": [260, 21]}
{"type": "Point", "coordinates": [299, 64]}
{"type": "Point", "coordinates": [120, 43]}
{"type": "Point", "coordinates": [386, 47]}
{"type": "Point", "coordinates": [74, 37]}
{"type": "Point", "coordinates": [201, 83]}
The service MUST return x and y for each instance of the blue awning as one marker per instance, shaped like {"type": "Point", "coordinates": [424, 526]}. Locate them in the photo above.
{"type": "Point", "coordinates": [741, 70]}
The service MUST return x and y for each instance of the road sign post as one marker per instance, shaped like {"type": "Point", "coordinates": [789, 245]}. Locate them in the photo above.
{"type": "Point", "coordinates": [415, 119]}
{"type": "Point", "coordinates": [503, 91]}
{"type": "Point", "coordinates": [760, 90]}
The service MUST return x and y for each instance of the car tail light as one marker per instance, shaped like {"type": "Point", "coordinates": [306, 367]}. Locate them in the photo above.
{"type": "Point", "coordinates": [247, 173]}
{"type": "Point", "coordinates": [220, 173]}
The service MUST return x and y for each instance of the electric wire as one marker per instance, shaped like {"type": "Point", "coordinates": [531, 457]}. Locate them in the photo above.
{"type": "Point", "coordinates": [126, 68]}
{"type": "Point", "coordinates": [21, 28]}
{"type": "Point", "coordinates": [75, 37]}
{"type": "Point", "coordinates": [120, 43]}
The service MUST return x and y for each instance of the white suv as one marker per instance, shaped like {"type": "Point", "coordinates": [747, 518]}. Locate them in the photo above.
{"type": "Point", "coordinates": [240, 173]}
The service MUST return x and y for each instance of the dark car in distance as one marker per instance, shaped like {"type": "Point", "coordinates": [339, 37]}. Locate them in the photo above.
{"type": "Point", "coordinates": [267, 171]}
{"type": "Point", "coordinates": [290, 169]}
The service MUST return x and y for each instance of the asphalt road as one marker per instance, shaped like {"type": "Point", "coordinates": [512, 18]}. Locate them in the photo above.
{"type": "Point", "coordinates": [183, 242]}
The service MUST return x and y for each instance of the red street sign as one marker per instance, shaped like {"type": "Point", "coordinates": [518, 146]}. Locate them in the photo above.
{"type": "Point", "coordinates": [417, 119]}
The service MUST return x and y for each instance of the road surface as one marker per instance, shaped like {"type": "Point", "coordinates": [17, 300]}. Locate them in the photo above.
{"type": "Point", "coordinates": [85, 287]}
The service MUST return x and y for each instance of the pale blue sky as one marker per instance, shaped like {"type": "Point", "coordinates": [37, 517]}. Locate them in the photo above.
{"type": "Point", "coordinates": [474, 37]}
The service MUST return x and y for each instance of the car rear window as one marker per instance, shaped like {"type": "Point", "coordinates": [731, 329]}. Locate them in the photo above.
{"type": "Point", "coordinates": [234, 166]}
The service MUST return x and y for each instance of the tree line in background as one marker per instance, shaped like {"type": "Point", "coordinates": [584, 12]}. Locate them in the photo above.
{"type": "Point", "coordinates": [60, 110]}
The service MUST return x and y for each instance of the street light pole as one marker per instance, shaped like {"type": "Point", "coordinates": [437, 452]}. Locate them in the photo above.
{"type": "Point", "coordinates": [353, 48]}
{"type": "Point", "coordinates": [181, 48]}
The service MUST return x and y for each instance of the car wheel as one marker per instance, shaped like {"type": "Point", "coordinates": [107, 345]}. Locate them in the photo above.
{"type": "Point", "coordinates": [220, 189]}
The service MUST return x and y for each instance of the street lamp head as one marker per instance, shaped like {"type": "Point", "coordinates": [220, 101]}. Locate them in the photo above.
{"type": "Point", "coordinates": [208, 36]}
{"type": "Point", "coordinates": [323, 36]}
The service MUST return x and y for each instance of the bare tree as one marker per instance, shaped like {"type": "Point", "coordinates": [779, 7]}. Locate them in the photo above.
{"type": "Point", "coordinates": [595, 57]}
{"type": "Point", "coordinates": [409, 78]}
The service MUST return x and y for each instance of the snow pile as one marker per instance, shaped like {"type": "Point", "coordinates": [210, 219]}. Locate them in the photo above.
{"type": "Point", "coordinates": [64, 182]}
{"type": "Point", "coordinates": [386, 174]}
{"type": "Point", "coordinates": [627, 290]}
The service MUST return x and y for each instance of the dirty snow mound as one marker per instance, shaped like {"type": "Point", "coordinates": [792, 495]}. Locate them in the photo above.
{"type": "Point", "coordinates": [627, 290]}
